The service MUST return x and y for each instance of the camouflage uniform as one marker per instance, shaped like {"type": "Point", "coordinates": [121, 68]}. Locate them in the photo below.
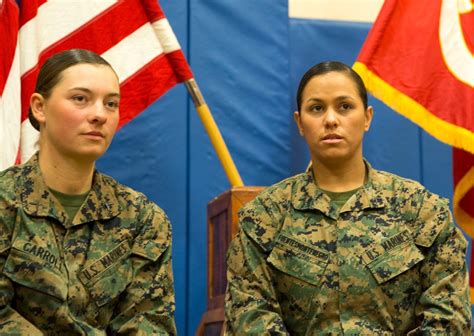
{"type": "Point", "coordinates": [108, 272]}
{"type": "Point", "coordinates": [389, 262]}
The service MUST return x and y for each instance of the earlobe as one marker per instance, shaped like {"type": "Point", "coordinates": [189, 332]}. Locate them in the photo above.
{"type": "Point", "coordinates": [369, 113]}
{"type": "Point", "coordinates": [297, 117]}
{"type": "Point", "coordinates": [37, 107]}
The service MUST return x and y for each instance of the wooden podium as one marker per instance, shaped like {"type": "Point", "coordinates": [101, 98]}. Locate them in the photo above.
{"type": "Point", "coordinates": [222, 218]}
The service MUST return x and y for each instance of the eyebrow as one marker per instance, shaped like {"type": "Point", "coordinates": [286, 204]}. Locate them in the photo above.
{"type": "Point", "coordinates": [344, 98]}
{"type": "Point", "coordinates": [337, 99]}
{"type": "Point", "coordinates": [113, 94]}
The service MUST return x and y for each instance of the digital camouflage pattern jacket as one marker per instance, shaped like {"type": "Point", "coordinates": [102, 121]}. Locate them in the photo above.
{"type": "Point", "coordinates": [389, 262]}
{"type": "Point", "coordinates": [108, 272]}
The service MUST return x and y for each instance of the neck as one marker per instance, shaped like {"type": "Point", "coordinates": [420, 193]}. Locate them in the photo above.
{"type": "Point", "coordinates": [66, 175]}
{"type": "Point", "coordinates": [339, 177]}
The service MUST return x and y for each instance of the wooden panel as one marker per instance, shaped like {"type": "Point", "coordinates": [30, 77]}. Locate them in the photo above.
{"type": "Point", "coordinates": [222, 221]}
{"type": "Point", "coordinates": [222, 226]}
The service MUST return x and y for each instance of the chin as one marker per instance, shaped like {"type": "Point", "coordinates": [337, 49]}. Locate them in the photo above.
{"type": "Point", "coordinates": [90, 155]}
{"type": "Point", "coordinates": [334, 158]}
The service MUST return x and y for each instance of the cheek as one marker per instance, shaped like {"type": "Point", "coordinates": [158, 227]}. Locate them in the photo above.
{"type": "Point", "coordinates": [310, 123]}
{"type": "Point", "coordinates": [115, 120]}
{"type": "Point", "coordinates": [72, 119]}
{"type": "Point", "coordinates": [112, 123]}
{"type": "Point", "coordinates": [312, 129]}
{"type": "Point", "coordinates": [63, 117]}
{"type": "Point", "coordinates": [359, 125]}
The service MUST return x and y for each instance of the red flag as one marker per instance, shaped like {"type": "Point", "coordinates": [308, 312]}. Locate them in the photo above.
{"type": "Point", "coordinates": [418, 59]}
{"type": "Point", "coordinates": [134, 36]}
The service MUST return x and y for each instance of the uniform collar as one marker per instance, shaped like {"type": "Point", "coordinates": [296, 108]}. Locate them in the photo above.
{"type": "Point", "coordinates": [307, 196]}
{"type": "Point", "coordinates": [100, 204]}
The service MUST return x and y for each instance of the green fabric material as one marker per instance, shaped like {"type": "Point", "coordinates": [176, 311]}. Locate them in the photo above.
{"type": "Point", "coordinates": [340, 198]}
{"type": "Point", "coordinates": [389, 262]}
{"type": "Point", "coordinates": [70, 203]}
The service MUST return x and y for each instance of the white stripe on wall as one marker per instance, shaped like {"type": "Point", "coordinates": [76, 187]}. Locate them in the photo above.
{"type": "Point", "coordinates": [342, 10]}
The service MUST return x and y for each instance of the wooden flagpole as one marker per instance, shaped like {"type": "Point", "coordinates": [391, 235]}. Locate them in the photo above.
{"type": "Point", "coordinates": [214, 134]}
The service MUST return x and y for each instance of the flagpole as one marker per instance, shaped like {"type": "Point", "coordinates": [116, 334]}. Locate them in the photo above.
{"type": "Point", "coordinates": [214, 134]}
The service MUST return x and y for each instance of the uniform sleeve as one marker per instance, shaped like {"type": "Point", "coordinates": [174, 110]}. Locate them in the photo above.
{"type": "Point", "coordinates": [147, 306]}
{"type": "Point", "coordinates": [444, 306]}
{"type": "Point", "coordinates": [11, 322]}
{"type": "Point", "coordinates": [251, 303]}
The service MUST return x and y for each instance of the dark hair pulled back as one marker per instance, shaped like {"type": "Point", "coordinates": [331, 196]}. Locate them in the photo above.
{"type": "Point", "coordinates": [331, 66]}
{"type": "Point", "coordinates": [50, 73]}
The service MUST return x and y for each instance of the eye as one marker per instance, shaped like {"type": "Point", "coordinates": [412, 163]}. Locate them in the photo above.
{"type": "Point", "coordinates": [345, 106]}
{"type": "Point", "coordinates": [112, 104]}
{"type": "Point", "coordinates": [79, 99]}
{"type": "Point", "coordinates": [316, 108]}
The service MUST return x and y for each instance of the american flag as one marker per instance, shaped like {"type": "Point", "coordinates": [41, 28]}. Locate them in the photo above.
{"type": "Point", "coordinates": [134, 36]}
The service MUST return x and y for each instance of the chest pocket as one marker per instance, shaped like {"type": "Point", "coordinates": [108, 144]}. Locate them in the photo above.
{"type": "Point", "coordinates": [108, 276]}
{"type": "Point", "coordinates": [298, 264]}
{"type": "Point", "coordinates": [298, 259]}
{"type": "Point", "coordinates": [299, 272]}
{"type": "Point", "coordinates": [39, 271]}
{"type": "Point", "coordinates": [391, 258]}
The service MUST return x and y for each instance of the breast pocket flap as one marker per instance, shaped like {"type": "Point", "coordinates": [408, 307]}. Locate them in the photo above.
{"type": "Point", "coordinates": [392, 263]}
{"type": "Point", "coordinates": [35, 273]}
{"type": "Point", "coordinates": [298, 264]}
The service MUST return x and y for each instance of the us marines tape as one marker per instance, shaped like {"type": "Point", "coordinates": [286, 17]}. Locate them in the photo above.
{"type": "Point", "coordinates": [111, 258]}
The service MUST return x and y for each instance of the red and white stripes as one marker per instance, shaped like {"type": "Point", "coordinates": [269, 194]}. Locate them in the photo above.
{"type": "Point", "coordinates": [9, 84]}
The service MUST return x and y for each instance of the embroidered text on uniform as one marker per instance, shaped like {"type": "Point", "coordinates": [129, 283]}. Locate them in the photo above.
{"type": "Point", "coordinates": [42, 253]}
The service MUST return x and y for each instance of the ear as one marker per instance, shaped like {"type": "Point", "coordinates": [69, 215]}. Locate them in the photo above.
{"type": "Point", "coordinates": [37, 103]}
{"type": "Point", "coordinates": [369, 113]}
{"type": "Point", "coordinates": [297, 117]}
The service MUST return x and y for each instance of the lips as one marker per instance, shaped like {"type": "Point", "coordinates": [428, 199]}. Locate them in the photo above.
{"type": "Point", "coordinates": [332, 136]}
{"type": "Point", "coordinates": [95, 134]}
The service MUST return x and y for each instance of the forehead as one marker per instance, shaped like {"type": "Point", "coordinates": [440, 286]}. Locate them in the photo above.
{"type": "Point", "coordinates": [89, 76]}
{"type": "Point", "coordinates": [332, 83]}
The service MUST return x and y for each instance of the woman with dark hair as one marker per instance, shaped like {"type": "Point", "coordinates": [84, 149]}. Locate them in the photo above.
{"type": "Point", "coordinates": [80, 254]}
{"type": "Point", "coordinates": [344, 249]}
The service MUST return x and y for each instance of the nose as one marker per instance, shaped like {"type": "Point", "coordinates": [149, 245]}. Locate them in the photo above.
{"type": "Point", "coordinates": [330, 119]}
{"type": "Point", "coordinates": [98, 113]}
